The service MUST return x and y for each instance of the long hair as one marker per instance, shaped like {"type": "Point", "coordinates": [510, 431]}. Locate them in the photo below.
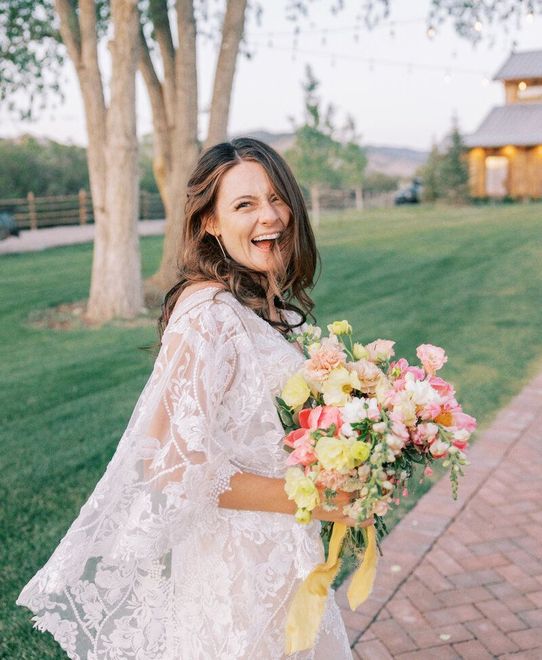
{"type": "Point", "coordinates": [295, 257]}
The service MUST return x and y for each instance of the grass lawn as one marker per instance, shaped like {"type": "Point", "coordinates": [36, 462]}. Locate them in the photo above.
{"type": "Point", "coordinates": [469, 280]}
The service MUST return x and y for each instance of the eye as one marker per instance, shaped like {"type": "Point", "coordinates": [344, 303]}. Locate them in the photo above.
{"type": "Point", "coordinates": [241, 205]}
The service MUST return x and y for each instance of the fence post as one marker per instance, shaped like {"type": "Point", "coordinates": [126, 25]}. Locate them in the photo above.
{"type": "Point", "coordinates": [32, 210]}
{"type": "Point", "coordinates": [82, 207]}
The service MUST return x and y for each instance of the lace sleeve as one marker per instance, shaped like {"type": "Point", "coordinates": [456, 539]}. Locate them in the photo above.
{"type": "Point", "coordinates": [186, 465]}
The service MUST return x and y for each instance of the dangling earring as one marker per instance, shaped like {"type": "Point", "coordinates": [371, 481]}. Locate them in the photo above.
{"type": "Point", "coordinates": [220, 244]}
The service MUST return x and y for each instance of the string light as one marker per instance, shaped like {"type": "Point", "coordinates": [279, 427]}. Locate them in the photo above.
{"type": "Point", "coordinates": [478, 26]}
{"type": "Point", "coordinates": [431, 32]}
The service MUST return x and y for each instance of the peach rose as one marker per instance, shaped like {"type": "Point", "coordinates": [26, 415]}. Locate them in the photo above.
{"type": "Point", "coordinates": [368, 374]}
{"type": "Point", "coordinates": [327, 356]}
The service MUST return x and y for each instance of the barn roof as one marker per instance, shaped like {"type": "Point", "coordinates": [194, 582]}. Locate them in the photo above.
{"type": "Point", "coordinates": [519, 124]}
{"type": "Point", "coordinates": [526, 64]}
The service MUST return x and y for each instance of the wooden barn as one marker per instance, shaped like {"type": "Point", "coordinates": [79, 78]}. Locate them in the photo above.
{"type": "Point", "coordinates": [505, 153]}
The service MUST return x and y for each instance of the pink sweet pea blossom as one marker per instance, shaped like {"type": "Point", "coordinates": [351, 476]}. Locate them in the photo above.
{"type": "Point", "coordinates": [463, 421]}
{"type": "Point", "coordinates": [441, 386]}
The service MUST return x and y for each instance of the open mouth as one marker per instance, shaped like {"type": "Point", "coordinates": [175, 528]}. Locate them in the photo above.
{"type": "Point", "coordinates": [265, 242]}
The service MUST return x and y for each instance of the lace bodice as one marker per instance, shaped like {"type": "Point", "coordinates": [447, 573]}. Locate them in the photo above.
{"type": "Point", "coordinates": [153, 568]}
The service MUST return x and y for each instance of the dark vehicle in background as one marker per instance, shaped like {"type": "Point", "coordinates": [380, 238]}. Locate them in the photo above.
{"type": "Point", "coordinates": [8, 226]}
{"type": "Point", "coordinates": [411, 194]}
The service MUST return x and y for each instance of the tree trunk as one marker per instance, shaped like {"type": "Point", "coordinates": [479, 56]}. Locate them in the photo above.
{"type": "Point", "coordinates": [359, 198]}
{"type": "Point", "coordinates": [315, 205]}
{"type": "Point", "coordinates": [176, 146]}
{"type": "Point", "coordinates": [116, 288]}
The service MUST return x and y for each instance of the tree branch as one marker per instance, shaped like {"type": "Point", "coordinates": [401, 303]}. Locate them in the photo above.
{"type": "Point", "coordinates": [232, 32]}
{"type": "Point", "coordinates": [186, 75]}
{"type": "Point", "coordinates": [69, 29]}
{"type": "Point", "coordinates": [158, 10]}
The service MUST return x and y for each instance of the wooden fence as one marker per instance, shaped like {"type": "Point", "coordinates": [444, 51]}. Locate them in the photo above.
{"type": "Point", "coordinates": [33, 212]}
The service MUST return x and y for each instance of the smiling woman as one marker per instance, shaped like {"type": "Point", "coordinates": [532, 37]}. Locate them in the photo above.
{"type": "Point", "coordinates": [247, 228]}
{"type": "Point", "coordinates": [187, 549]}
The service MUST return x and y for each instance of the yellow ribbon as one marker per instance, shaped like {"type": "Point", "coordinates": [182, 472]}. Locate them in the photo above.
{"type": "Point", "coordinates": [308, 603]}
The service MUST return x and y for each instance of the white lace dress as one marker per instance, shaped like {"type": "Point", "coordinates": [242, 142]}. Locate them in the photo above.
{"type": "Point", "coordinates": [152, 568]}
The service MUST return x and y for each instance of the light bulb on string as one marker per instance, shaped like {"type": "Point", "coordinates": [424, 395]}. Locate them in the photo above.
{"type": "Point", "coordinates": [431, 32]}
{"type": "Point", "coordinates": [324, 39]}
{"type": "Point", "coordinates": [356, 37]}
{"type": "Point", "coordinates": [392, 30]}
{"type": "Point", "coordinates": [477, 26]}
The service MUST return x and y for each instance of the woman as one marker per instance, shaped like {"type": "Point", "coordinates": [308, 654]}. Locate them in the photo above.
{"type": "Point", "coordinates": [187, 549]}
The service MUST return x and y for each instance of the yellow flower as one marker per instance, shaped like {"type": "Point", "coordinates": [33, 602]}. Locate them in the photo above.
{"type": "Point", "coordinates": [340, 328]}
{"type": "Point", "coordinates": [296, 391]}
{"type": "Point", "coordinates": [303, 516]}
{"type": "Point", "coordinates": [359, 452]}
{"type": "Point", "coordinates": [360, 352]}
{"type": "Point", "coordinates": [338, 385]}
{"type": "Point", "coordinates": [335, 453]}
{"type": "Point", "coordinates": [301, 489]}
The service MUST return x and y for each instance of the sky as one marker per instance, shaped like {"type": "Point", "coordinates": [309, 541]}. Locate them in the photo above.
{"type": "Point", "coordinates": [402, 87]}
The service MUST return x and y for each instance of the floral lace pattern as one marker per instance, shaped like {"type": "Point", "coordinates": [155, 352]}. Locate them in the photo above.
{"type": "Point", "coordinates": [152, 568]}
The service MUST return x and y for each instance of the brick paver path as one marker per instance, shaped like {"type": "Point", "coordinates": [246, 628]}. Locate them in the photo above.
{"type": "Point", "coordinates": [463, 579]}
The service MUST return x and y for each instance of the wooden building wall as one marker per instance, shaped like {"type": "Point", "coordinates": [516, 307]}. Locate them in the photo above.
{"type": "Point", "coordinates": [524, 170]}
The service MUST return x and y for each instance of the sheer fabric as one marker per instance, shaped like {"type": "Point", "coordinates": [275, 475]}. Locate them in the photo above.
{"type": "Point", "coordinates": [152, 568]}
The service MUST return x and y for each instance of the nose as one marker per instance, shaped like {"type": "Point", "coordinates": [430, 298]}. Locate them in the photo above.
{"type": "Point", "coordinates": [269, 214]}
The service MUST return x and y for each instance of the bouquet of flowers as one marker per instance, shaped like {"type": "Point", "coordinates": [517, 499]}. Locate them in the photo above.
{"type": "Point", "coordinates": [358, 421]}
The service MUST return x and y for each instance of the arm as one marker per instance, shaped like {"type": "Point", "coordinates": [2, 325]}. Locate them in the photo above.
{"type": "Point", "coordinates": [252, 492]}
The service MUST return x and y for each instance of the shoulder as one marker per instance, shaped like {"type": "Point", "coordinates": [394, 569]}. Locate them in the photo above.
{"type": "Point", "coordinates": [207, 308]}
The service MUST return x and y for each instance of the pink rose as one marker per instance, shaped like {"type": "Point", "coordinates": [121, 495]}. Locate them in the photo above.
{"type": "Point", "coordinates": [431, 357]}
{"type": "Point", "coordinates": [380, 350]}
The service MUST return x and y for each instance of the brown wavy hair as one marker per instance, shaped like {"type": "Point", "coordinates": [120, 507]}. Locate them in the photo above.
{"type": "Point", "coordinates": [295, 258]}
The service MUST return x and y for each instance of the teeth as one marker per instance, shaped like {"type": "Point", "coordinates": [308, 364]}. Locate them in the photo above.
{"type": "Point", "coordinates": [266, 237]}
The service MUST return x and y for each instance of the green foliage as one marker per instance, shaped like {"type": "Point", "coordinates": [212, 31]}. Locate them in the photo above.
{"type": "Point", "coordinates": [454, 172]}
{"type": "Point", "coordinates": [445, 175]}
{"type": "Point", "coordinates": [378, 182]}
{"type": "Point", "coordinates": [352, 157]}
{"type": "Point", "coordinates": [41, 166]}
{"type": "Point", "coordinates": [48, 168]}
{"type": "Point", "coordinates": [314, 157]}
{"type": "Point", "coordinates": [430, 173]}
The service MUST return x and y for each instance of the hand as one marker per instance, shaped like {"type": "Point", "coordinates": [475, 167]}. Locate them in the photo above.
{"type": "Point", "coordinates": [341, 499]}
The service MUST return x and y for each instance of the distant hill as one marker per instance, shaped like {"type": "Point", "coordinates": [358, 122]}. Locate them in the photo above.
{"type": "Point", "coordinates": [393, 161]}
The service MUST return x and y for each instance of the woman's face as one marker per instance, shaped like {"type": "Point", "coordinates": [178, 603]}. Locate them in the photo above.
{"type": "Point", "coordinates": [249, 216]}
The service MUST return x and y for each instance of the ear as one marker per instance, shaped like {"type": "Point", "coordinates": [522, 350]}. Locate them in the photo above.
{"type": "Point", "coordinates": [210, 225]}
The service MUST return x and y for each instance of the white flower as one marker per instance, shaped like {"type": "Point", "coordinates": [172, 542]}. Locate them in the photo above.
{"type": "Point", "coordinates": [354, 411]}
{"type": "Point", "coordinates": [420, 391]}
